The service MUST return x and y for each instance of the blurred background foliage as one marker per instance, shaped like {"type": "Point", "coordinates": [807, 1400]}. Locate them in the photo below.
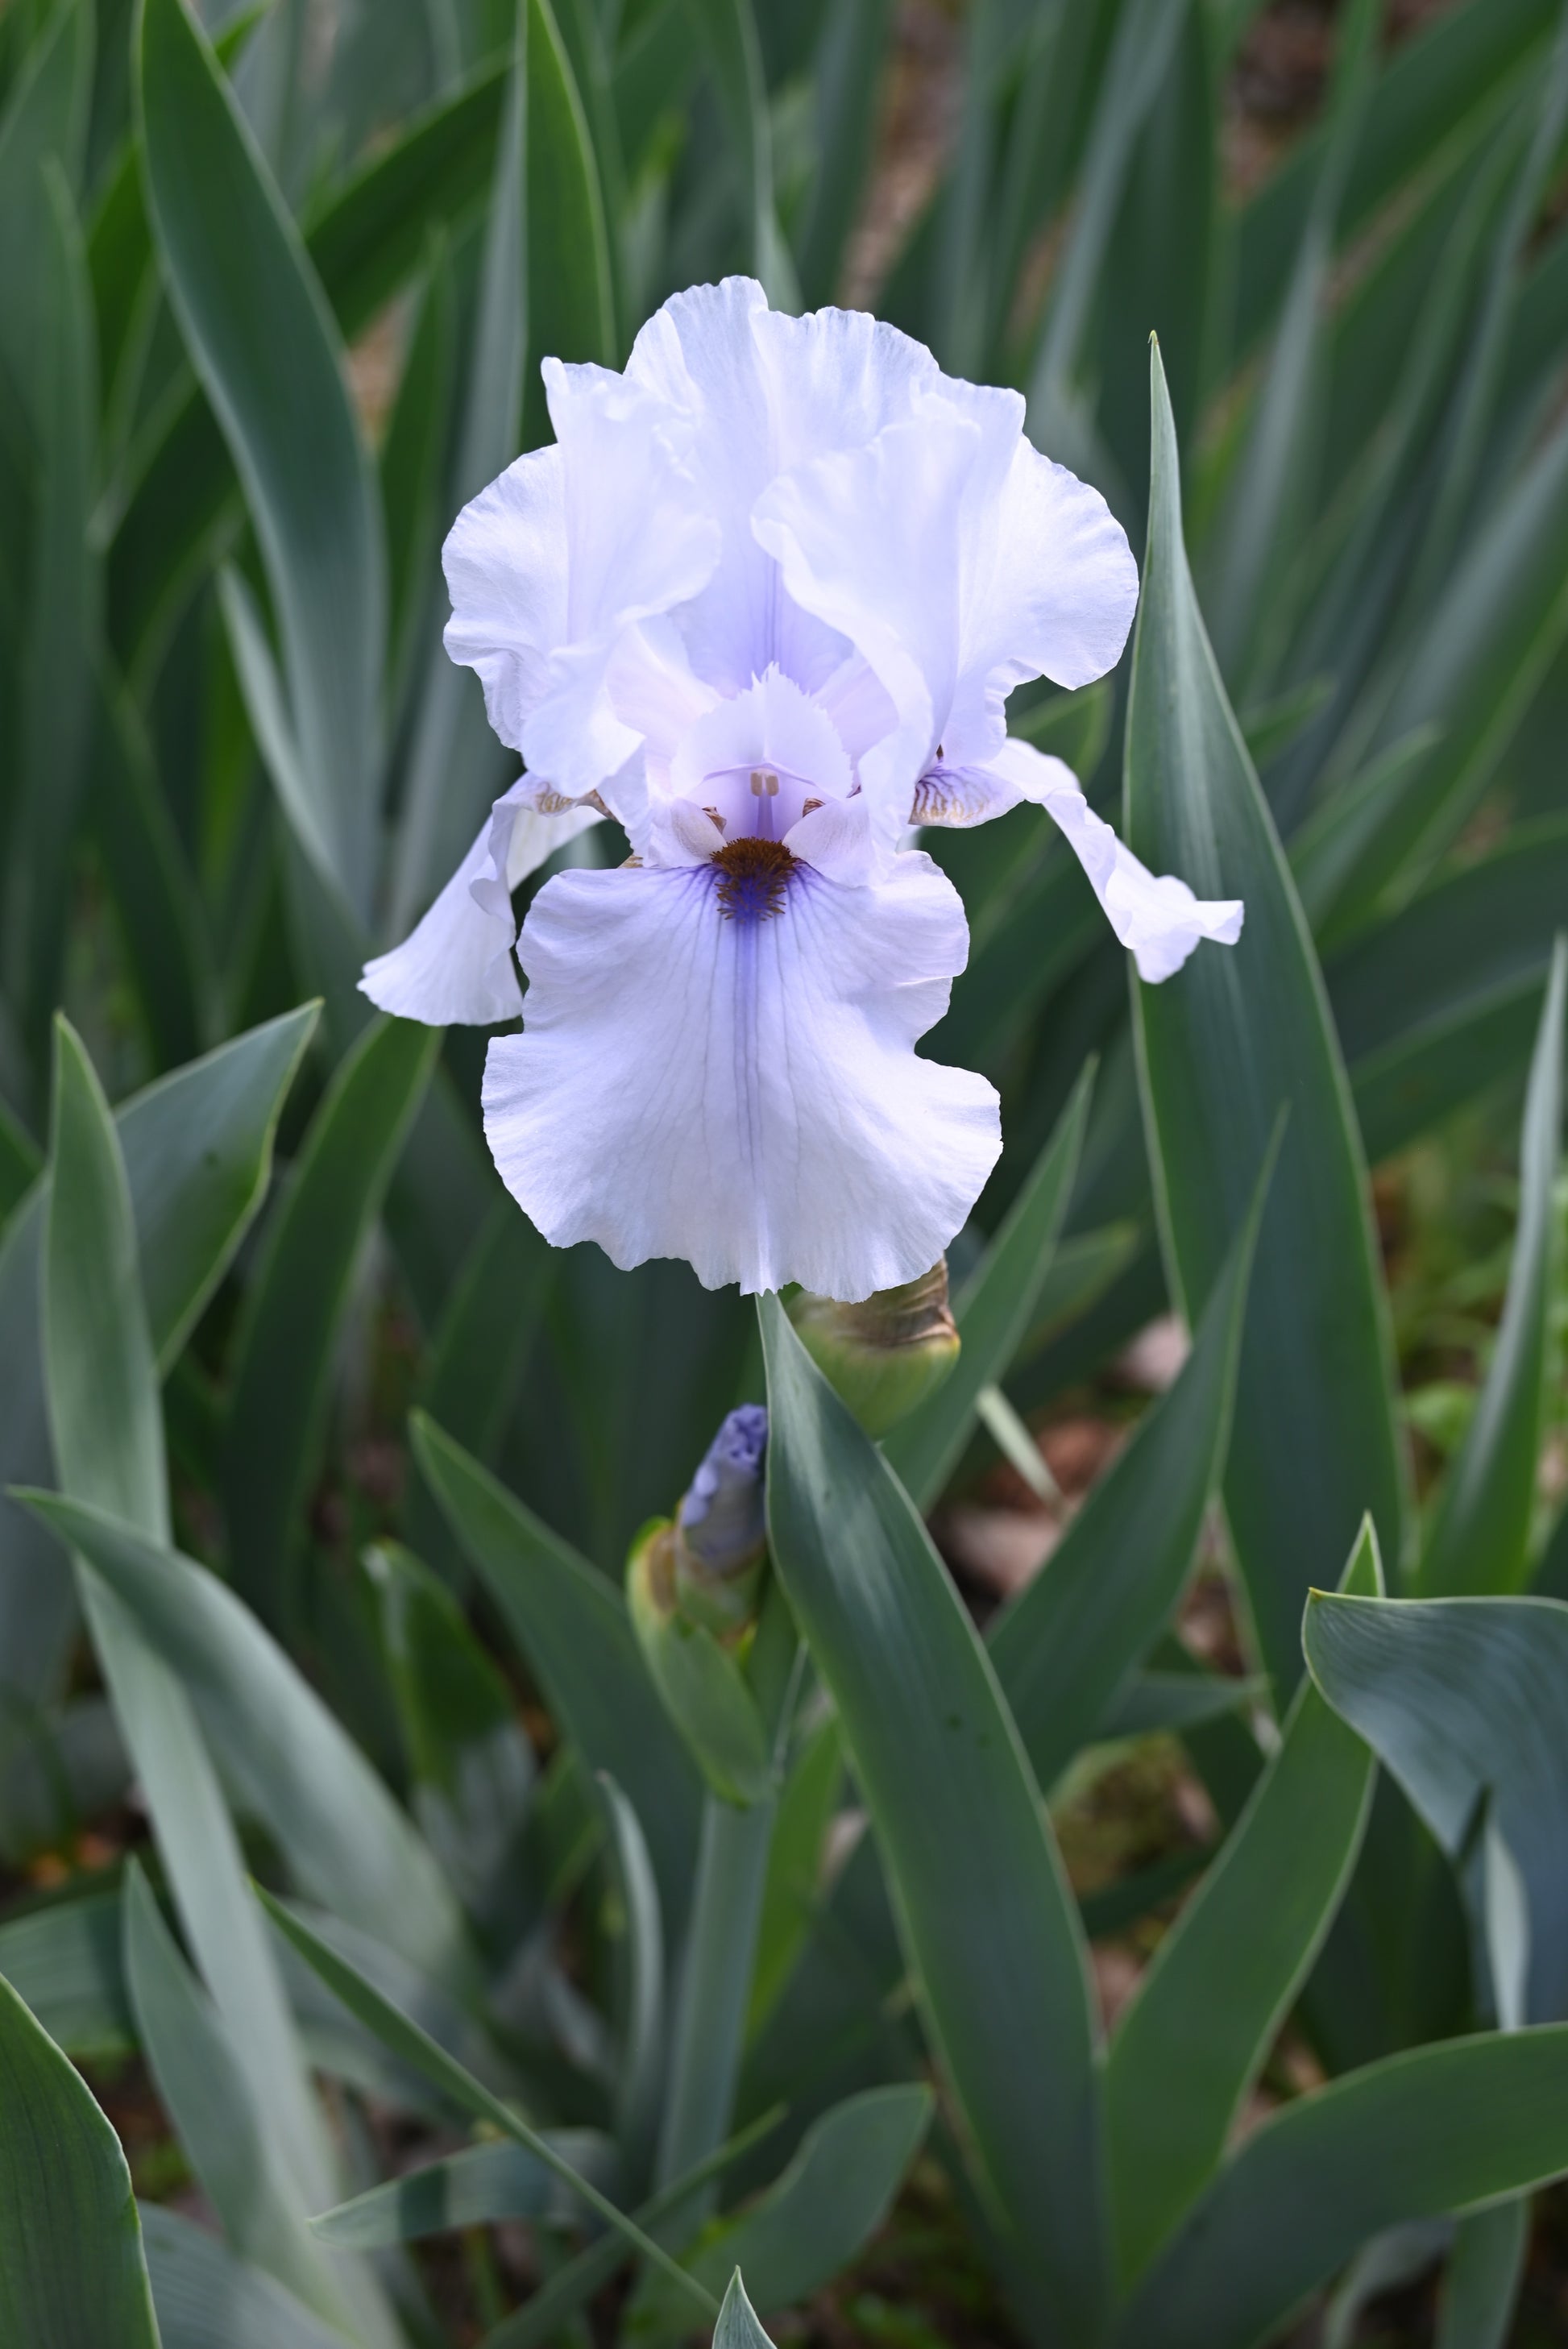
{"type": "Point", "coordinates": [273, 295]}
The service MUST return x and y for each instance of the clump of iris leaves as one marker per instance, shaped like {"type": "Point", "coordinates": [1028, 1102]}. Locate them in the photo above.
{"type": "Point", "coordinates": [315, 1606]}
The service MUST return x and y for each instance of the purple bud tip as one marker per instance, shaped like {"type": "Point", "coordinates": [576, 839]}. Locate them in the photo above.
{"type": "Point", "coordinates": [721, 1517]}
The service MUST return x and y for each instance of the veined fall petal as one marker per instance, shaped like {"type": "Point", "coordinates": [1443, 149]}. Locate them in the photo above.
{"type": "Point", "coordinates": [763, 604]}
{"type": "Point", "coordinates": [718, 1063]}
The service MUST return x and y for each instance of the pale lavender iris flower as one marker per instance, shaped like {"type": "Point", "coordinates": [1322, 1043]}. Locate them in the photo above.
{"type": "Point", "coordinates": [763, 602]}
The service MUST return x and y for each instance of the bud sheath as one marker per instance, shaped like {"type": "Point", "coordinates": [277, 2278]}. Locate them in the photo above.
{"type": "Point", "coordinates": [886, 1355]}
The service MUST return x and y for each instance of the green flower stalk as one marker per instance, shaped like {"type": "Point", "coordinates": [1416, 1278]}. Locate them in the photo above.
{"type": "Point", "coordinates": [695, 1585]}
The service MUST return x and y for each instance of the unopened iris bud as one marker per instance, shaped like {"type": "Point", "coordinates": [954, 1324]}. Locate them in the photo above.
{"type": "Point", "coordinates": [886, 1355]}
{"type": "Point", "coordinates": [693, 1583]}
{"type": "Point", "coordinates": [720, 1532]}
{"type": "Point", "coordinates": [704, 1565]}
{"type": "Point", "coordinates": [720, 1522]}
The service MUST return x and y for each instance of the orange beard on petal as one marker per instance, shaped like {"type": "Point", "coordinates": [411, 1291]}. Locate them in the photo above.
{"type": "Point", "coordinates": [753, 876]}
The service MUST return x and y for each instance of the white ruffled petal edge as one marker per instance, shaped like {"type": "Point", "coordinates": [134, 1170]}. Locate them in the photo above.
{"type": "Point", "coordinates": [568, 548]}
{"type": "Point", "coordinates": [1155, 916]}
{"type": "Point", "coordinates": [959, 561]}
{"type": "Point", "coordinates": [455, 968]}
{"type": "Point", "coordinates": [743, 1094]}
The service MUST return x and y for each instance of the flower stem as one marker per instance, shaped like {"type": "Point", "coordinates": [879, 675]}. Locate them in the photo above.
{"type": "Point", "coordinates": [716, 1983]}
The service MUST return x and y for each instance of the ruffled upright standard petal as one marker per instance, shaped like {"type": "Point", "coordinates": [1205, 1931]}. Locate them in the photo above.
{"type": "Point", "coordinates": [1155, 916]}
{"type": "Point", "coordinates": [505, 560]}
{"type": "Point", "coordinates": [455, 968]}
{"type": "Point", "coordinates": [958, 561]}
{"type": "Point", "coordinates": [742, 1091]}
{"type": "Point", "coordinates": [1050, 590]}
{"type": "Point", "coordinates": [569, 548]}
{"type": "Point", "coordinates": [771, 392]}
{"type": "Point", "coordinates": [868, 539]}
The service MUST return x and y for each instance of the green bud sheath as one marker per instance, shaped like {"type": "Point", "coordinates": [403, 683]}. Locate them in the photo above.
{"type": "Point", "coordinates": [884, 1356]}
{"type": "Point", "coordinates": [699, 1678]}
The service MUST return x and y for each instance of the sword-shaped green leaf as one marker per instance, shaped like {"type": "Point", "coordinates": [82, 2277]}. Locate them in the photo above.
{"type": "Point", "coordinates": [1201, 2023]}
{"type": "Point", "coordinates": [725, 31]}
{"type": "Point", "coordinates": [1069, 1645]}
{"type": "Point", "coordinates": [198, 1150]}
{"type": "Point", "coordinates": [667, 2216]}
{"type": "Point", "coordinates": [493, 2180]}
{"type": "Point", "coordinates": [455, 767]}
{"type": "Point", "coordinates": [1441, 2128]}
{"type": "Point", "coordinates": [1486, 2267]}
{"type": "Point", "coordinates": [1425, 91]}
{"type": "Point", "coordinates": [203, 2294]}
{"type": "Point", "coordinates": [957, 1814]}
{"type": "Point", "coordinates": [1465, 1700]}
{"type": "Point", "coordinates": [1238, 1033]}
{"type": "Point", "coordinates": [1435, 1004]}
{"type": "Point", "coordinates": [106, 1426]}
{"type": "Point", "coordinates": [573, 1627]}
{"type": "Point", "coordinates": [416, 2048]}
{"type": "Point", "coordinates": [65, 1961]}
{"type": "Point", "coordinates": [58, 622]}
{"type": "Point", "coordinates": [204, 2089]}
{"type": "Point", "coordinates": [1480, 1539]}
{"type": "Point", "coordinates": [571, 306]}
{"type": "Point", "coordinates": [469, 1760]}
{"type": "Point", "coordinates": [294, 1306]}
{"type": "Point", "coordinates": [72, 2271]}
{"type": "Point", "coordinates": [264, 342]}
{"type": "Point", "coordinates": [738, 2326]}
{"type": "Point", "coordinates": [815, 2218]}
{"type": "Point", "coordinates": [286, 1757]}
{"type": "Point", "coordinates": [366, 241]}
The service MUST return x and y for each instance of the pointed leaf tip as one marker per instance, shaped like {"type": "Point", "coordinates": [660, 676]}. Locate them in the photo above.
{"type": "Point", "coordinates": [738, 2326]}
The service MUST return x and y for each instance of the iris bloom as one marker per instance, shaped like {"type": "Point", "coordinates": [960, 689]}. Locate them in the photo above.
{"type": "Point", "coordinates": [763, 602]}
